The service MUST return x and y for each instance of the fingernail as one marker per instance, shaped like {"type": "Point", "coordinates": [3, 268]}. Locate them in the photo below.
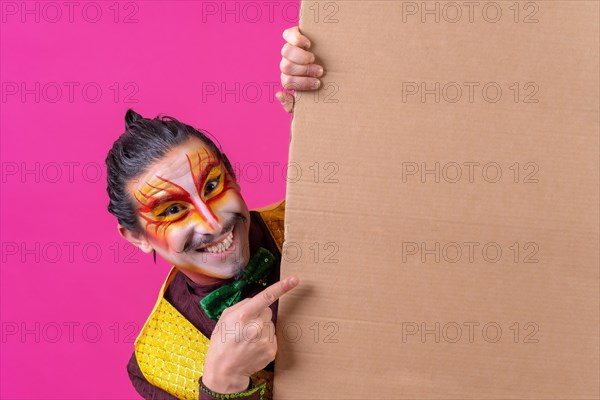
{"type": "Point", "coordinates": [319, 71]}
{"type": "Point", "coordinates": [316, 84]}
{"type": "Point", "coordinates": [307, 45]}
{"type": "Point", "coordinates": [293, 281]}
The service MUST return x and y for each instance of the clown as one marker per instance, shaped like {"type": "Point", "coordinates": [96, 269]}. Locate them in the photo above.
{"type": "Point", "coordinates": [175, 194]}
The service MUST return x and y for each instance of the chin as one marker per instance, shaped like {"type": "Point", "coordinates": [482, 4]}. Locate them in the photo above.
{"type": "Point", "coordinates": [235, 272]}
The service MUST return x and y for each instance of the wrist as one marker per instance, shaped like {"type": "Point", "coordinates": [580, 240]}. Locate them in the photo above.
{"type": "Point", "coordinates": [225, 383]}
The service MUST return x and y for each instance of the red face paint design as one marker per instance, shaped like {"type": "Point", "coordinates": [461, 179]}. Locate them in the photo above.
{"type": "Point", "coordinates": [163, 202]}
{"type": "Point", "coordinates": [189, 197]}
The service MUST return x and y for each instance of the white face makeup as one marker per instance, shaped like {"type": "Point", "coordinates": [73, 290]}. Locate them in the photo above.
{"type": "Point", "coordinates": [193, 213]}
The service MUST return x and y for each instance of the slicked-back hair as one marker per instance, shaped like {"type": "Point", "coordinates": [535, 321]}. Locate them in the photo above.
{"type": "Point", "coordinates": [144, 142]}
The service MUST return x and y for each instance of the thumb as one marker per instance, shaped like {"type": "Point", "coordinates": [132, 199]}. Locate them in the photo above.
{"type": "Point", "coordinates": [286, 100]}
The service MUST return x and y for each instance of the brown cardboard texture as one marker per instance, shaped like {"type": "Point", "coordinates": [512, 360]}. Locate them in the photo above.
{"type": "Point", "coordinates": [443, 212]}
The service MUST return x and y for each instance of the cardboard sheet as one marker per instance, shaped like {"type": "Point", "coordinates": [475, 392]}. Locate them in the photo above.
{"type": "Point", "coordinates": [442, 204]}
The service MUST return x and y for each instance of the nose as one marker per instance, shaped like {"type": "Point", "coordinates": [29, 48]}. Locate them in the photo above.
{"type": "Point", "coordinates": [209, 222]}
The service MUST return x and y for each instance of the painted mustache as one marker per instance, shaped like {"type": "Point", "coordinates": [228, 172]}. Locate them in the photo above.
{"type": "Point", "coordinates": [192, 244]}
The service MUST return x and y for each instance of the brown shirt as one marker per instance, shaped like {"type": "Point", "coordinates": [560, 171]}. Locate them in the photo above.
{"type": "Point", "coordinates": [185, 296]}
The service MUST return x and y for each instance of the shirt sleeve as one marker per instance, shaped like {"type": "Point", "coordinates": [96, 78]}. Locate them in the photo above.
{"type": "Point", "coordinates": [252, 393]}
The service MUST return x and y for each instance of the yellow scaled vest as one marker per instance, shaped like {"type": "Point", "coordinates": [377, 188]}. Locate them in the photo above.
{"type": "Point", "coordinates": [170, 351]}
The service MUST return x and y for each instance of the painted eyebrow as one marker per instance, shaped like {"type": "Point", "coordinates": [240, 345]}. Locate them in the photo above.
{"type": "Point", "coordinates": [153, 201]}
{"type": "Point", "coordinates": [207, 171]}
{"type": "Point", "coordinates": [158, 200]}
{"type": "Point", "coordinates": [200, 180]}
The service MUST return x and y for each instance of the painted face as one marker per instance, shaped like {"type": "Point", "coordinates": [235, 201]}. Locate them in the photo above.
{"type": "Point", "coordinates": [193, 213]}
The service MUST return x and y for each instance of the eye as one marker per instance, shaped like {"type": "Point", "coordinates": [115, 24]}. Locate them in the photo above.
{"type": "Point", "coordinates": [172, 210]}
{"type": "Point", "coordinates": [212, 185]}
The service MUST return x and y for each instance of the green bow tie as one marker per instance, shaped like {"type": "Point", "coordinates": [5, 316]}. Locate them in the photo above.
{"type": "Point", "coordinates": [218, 300]}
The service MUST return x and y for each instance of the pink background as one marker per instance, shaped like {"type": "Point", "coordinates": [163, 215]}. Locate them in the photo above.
{"type": "Point", "coordinates": [73, 294]}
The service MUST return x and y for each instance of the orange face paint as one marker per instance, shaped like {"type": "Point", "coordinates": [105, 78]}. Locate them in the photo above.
{"type": "Point", "coordinates": [163, 202]}
{"type": "Point", "coordinates": [186, 200]}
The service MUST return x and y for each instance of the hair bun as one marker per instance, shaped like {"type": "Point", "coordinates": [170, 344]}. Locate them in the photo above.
{"type": "Point", "coordinates": [131, 117]}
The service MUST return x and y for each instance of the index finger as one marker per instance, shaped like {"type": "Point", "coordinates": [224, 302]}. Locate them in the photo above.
{"type": "Point", "coordinates": [270, 295]}
{"type": "Point", "coordinates": [295, 38]}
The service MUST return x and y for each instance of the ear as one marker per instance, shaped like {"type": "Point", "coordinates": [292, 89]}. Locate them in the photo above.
{"type": "Point", "coordinates": [137, 239]}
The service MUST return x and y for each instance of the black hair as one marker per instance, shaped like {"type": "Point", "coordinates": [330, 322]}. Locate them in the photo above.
{"type": "Point", "coordinates": [144, 142]}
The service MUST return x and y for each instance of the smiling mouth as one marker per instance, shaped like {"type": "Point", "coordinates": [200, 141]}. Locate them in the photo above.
{"type": "Point", "coordinates": [219, 246]}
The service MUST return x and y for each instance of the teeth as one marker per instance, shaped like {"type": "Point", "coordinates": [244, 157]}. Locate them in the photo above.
{"type": "Point", "coordinates": [222, 246]}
